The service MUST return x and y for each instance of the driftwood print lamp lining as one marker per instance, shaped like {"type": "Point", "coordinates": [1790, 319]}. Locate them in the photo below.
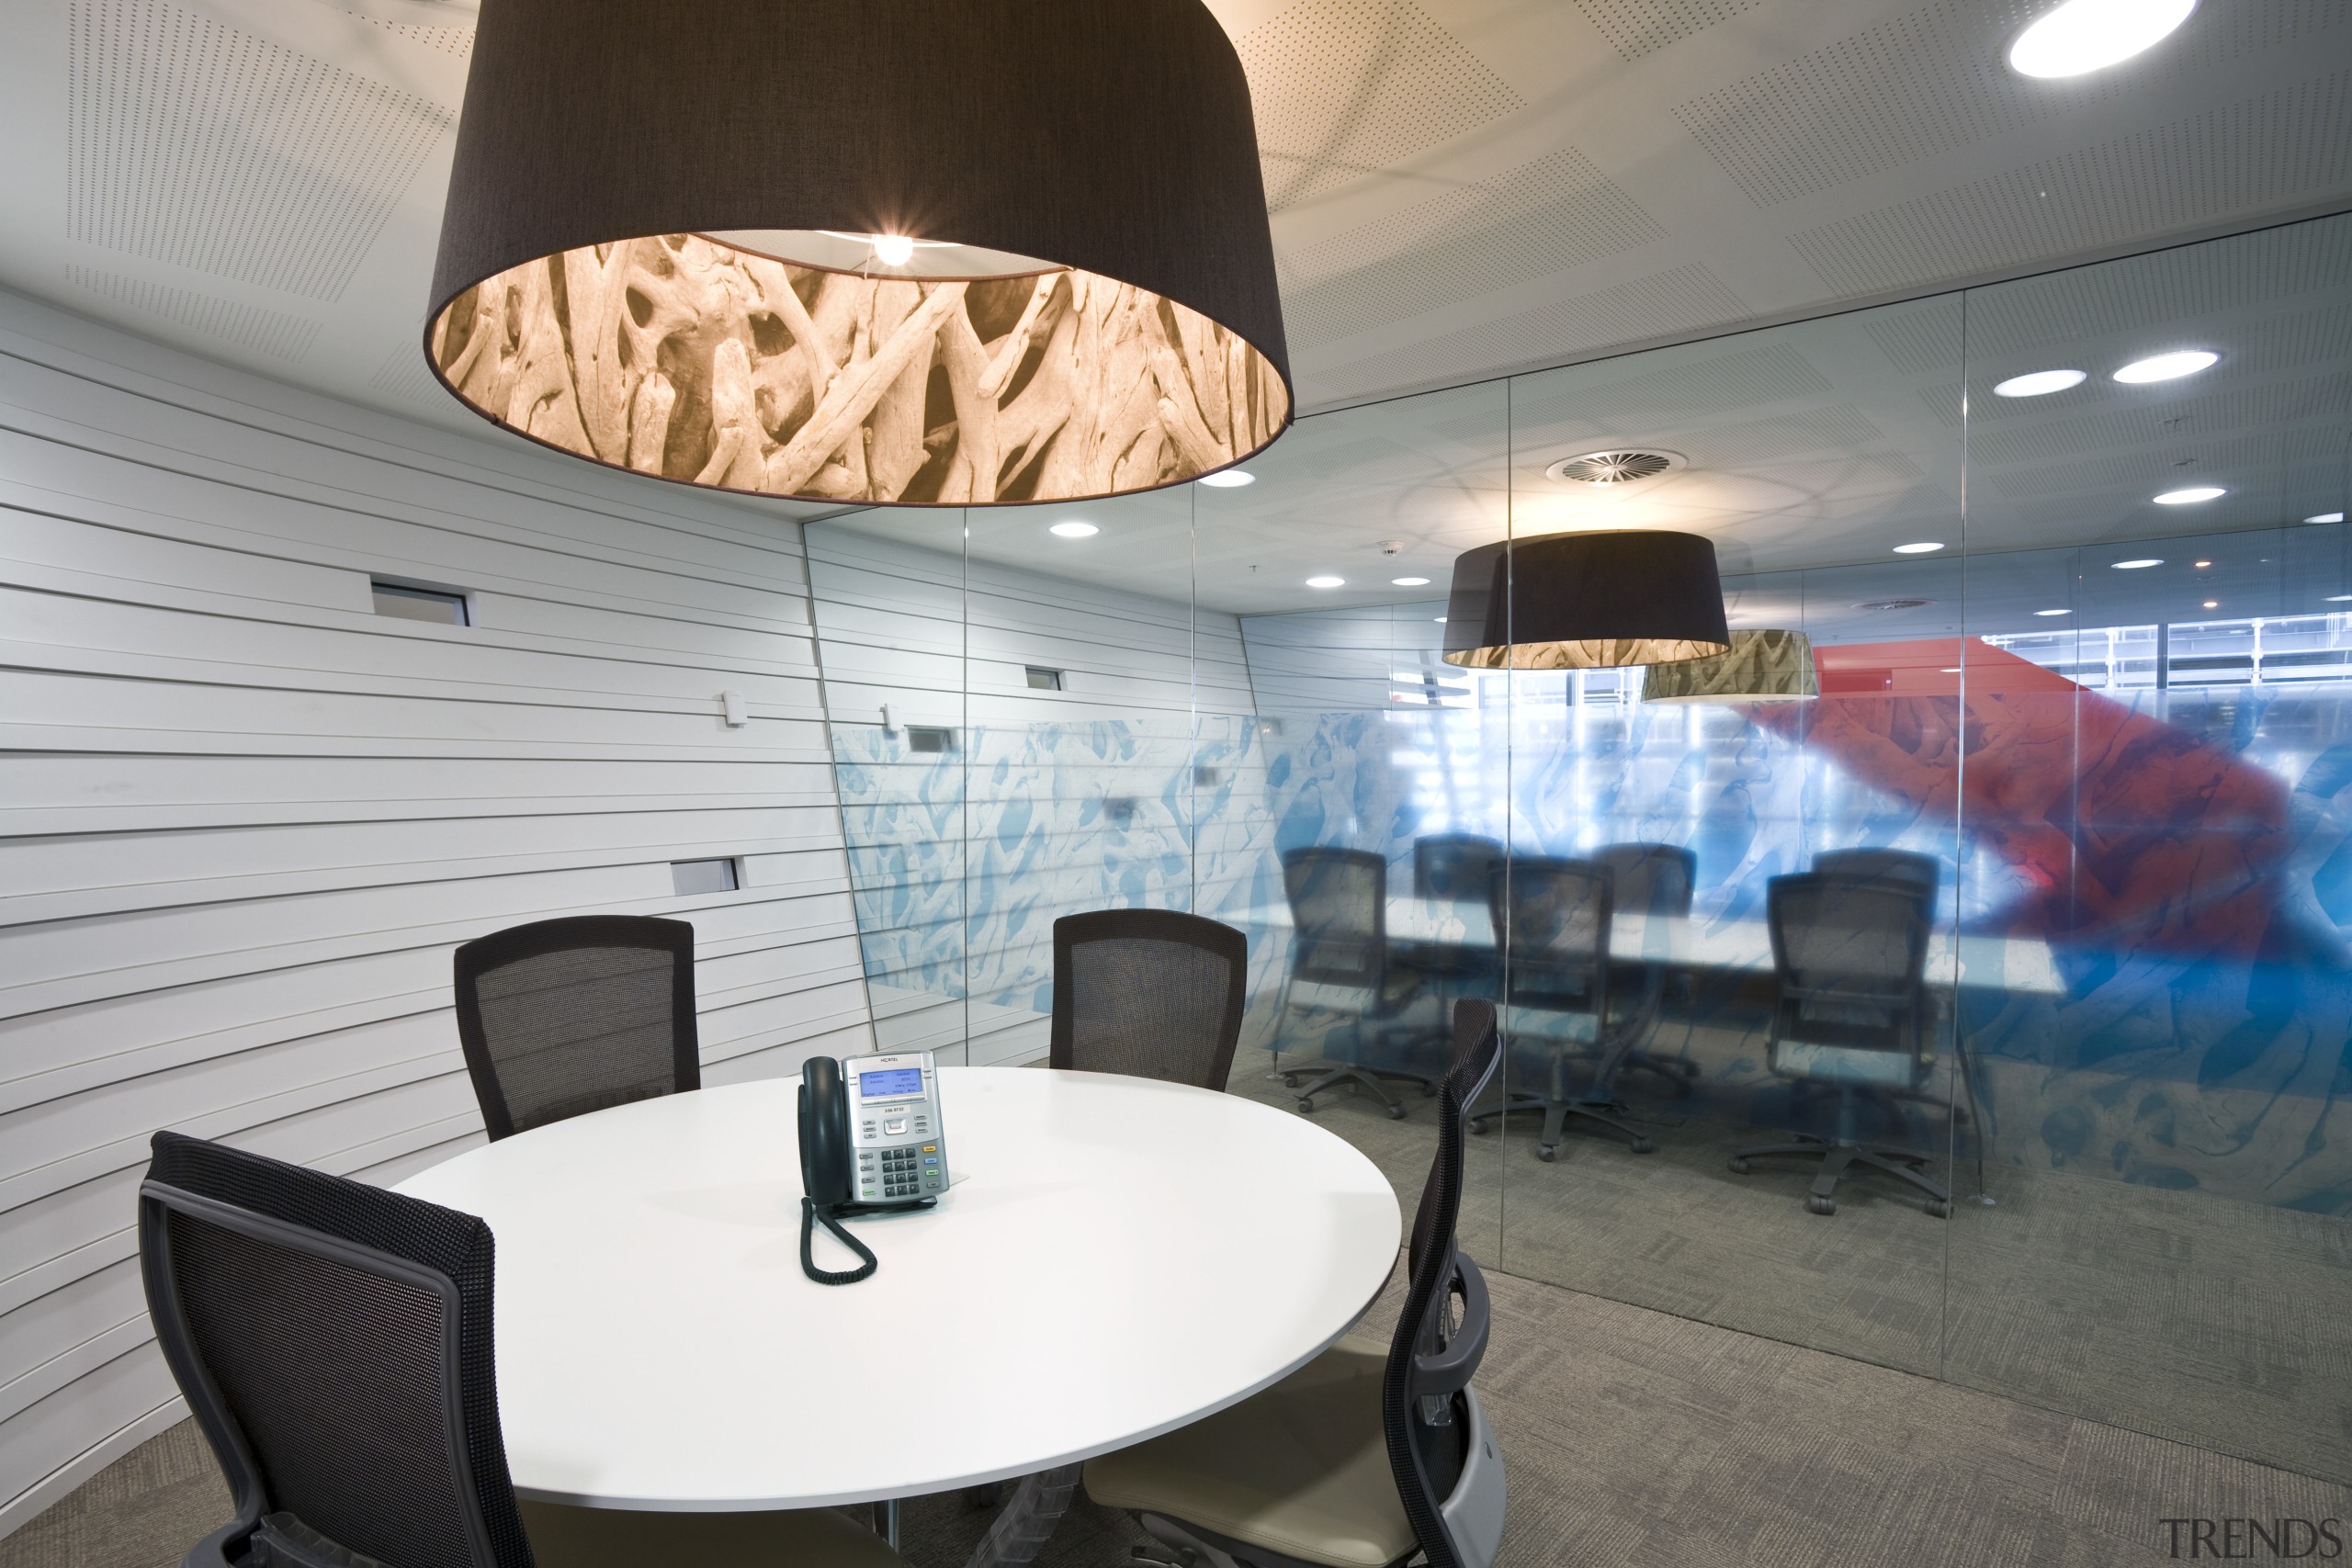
{"type": "Point", "coordinates": [921, 252]}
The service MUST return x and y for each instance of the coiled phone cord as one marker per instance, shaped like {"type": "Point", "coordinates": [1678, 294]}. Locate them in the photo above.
{"type": "Point", "coordinates": [809, 1216]}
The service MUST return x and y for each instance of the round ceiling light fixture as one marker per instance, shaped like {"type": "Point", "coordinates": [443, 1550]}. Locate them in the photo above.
{"type": "Point", "coordinates": [2326, 517]}
{"type": "Point", "coordinates": [1327, 582]}
{"type": "Point", "coordinates": [1925, 547]}
{"type": "Point", "coordinates": [877, 251]}
{"type": "Point", "coordinates": [1228, 479]}
{"type": "Point", "coordinates": [2166, 366]}
{"type": "Point", "coordinates": [2049, 613]}
{"type": "Point", "coordinates": [1073, 530]}
{"type": "Point", "coordinates": [1617, 466]}
{"type": "Point", "coordinates": [2142, 564]}
{"type": "Point", "coordinates": [2038, 383]}
{"type": "Point", "coordinates": [2087, 35]}
{"type": "Point", "coordinates": [1894, 604]}
{"type": "Point", "coordinates": [1409, 581]}
{"type": "Point", "coordinates": [2190, 496]}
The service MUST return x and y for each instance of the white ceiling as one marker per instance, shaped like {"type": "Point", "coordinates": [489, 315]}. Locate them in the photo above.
{"type": "Point", "coordinates": [1458, 186]}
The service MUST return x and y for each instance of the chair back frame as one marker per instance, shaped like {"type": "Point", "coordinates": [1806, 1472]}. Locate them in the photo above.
{"type": "Point", "coordinates": [1426, 1414]}
{"type": "Point", "coordinates": [1300, 868]}
{"type": "Point", "coordinates": [1073, 933]}
{"type": "Point", "coordinates": [486, 954]}
{"type": "Point", "coordinates": [467, 1452]}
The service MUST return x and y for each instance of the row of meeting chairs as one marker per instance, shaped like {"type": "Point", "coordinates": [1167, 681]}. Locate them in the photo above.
{"type": "Point", "coordinates": [288, 1301]}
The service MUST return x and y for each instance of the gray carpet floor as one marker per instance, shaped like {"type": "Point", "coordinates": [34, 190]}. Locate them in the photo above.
{"type": "Point", "coordinates": [2207, 1320]}
{"type": "Point", "coordinates": [1631, 1437]}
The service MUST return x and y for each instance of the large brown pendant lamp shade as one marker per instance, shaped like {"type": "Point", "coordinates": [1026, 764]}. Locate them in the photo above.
{"type": "Point", "coordinates": [1586, 602]}
{"type": "Point", "coordinates": [963, 253]}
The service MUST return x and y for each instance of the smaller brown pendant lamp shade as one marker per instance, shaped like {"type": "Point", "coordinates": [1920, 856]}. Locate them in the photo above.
{"type": "Point", "coordinates": [1586, 602]}
{"type": "Point", "coordinates": [895, 251]}
{"type": "Point", "coordinates": [1763, 666]}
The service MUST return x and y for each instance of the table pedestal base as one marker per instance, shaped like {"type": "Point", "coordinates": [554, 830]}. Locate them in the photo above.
{"type": "Point", "coordinates": [1021, 1531]}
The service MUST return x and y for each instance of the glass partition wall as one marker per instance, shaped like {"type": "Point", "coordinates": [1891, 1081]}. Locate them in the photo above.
{"type": "Point", "coordinates": [2079, 600]}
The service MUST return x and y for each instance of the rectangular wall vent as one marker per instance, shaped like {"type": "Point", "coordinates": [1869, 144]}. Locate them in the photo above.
{"type": "Point", "coordinates": [1042, 679]}
{"type": "Point", "coordinates": [704, 876]}
{"type": "Point", "coordinates": [930, 737]}
{"type": "Point", "coordinates": [435, 604]}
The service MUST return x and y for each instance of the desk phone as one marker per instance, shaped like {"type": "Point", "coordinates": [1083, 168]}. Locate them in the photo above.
{"type": "Point", "coordinates": [896, 1127]}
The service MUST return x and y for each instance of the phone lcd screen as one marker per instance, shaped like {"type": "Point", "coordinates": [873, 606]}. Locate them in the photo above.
{"type": "Point", "coordinates": [889, 1084]}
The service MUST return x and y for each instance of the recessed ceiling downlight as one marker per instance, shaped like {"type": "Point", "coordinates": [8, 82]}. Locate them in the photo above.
{"type": "Point", "coordinates": [1074, 530]}
{"type": "Point", "coordinates": [1327, 582]}
{"type": "Point", "coordinates": [1894, 604]}
{"type": "Point", "coordinates": [2142, 564]}
{"type": "Point", "coordinates": [1409, 581]}
{"type": "Point", "coordinates": [2190, 496]}
{"type": "Point", "coordinates": [2047, 612]}
{"type": "Point", "coordinates": [1623, 465]}
{"type": "Point", "coordinates": [2038, 383]}
{"type": "Point", "coordinates": [1925, 547]}
{"type": "Point", "coordinates": [2326, 517]}
{"type": "Point", "coordinates": [2086, 35]}
{"type": "Point", "coordinates": [2166, 366]}
{"type": "Point", "coordinates": [1228, 479]}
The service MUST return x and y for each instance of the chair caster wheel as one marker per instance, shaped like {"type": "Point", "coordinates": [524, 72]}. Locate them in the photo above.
{"type": "Point", "coordinates": [1644, 1145]}
{"type": "Point", "coordinates": [1938, 1209]}
{"type": "Point", "coordinates": [1820, 1205]}
{"type": "Point", "coordinates": [1396, 1113]}
{"type": "Point", "coordinates": [1477, 1129]}
{"type": "Point", "coordinates": [1545, 1153]}
{"type": "Point", "coordinates": [1305, 1107]}
{"type": "Point", "coordinates": [1290, 1080]}
{"type": "Point", "coordinates": [1739, 1164]}
{"type": "Point", "coordinates": [1429, 1088]}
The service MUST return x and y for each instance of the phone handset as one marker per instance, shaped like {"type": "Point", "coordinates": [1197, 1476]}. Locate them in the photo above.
{"type": "Point", "coordinates": [892, 1155]}
{"type": "Point", "coordinates": [825, 1175]}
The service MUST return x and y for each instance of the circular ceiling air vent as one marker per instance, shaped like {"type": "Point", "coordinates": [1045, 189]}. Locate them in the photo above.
{"type": "Point", "coordinates": [1894, 603]}
{"type": "Point", "coordinates": [1623, 465]}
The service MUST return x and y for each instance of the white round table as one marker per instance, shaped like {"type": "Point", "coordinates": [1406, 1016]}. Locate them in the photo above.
{"type": "Point", "coordinates": [1116, 1258]}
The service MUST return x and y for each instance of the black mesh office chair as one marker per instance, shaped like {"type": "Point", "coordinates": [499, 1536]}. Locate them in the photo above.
{"type": "Point", "coordinates": [1852, 1015]}
{"type": "Point", "coordinates": [334, 1341]}
{"type": "Point", "coordinates": [560, 1017]}
{"type": "Point", "coordinates": [1152, 993]}
{"type": "Point", "coordinates": [1655, 880]}
{"type": "Point", "coordinates": [1902, 867]}
{"type": "Point", "coordinates": [1556, 915]}
{"type": "Point", "coordinates": [1455, 868]}
{"type": "Point", "coordinates": [1369, 1455]}
{"type": "Point", "coordinates": [1340, 963]}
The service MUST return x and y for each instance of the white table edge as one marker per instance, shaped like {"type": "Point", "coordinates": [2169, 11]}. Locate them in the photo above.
{"type": "Point", "coordinates": [620, 1502]}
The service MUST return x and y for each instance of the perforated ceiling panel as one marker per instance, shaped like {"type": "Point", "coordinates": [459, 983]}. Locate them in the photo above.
{"type": "Point", "coordinates": [1931, 81]}
{"type": "Point", "coordinates": [1920, 338]}
{"type": "Point", "coordinates": [1344, 88]}
{"type": "Point", "coordinates": [1683, 299]}
{"type": "Point", "coordinates": [456, 41]}
{"type": "Point", "coordinates": [272, 333]}
{"type": "Point", "coordinates": [1634, 28]}
{"type": "Point", "coordinates": [194, 143]}
{"type": "Point", "coordinates": [1629, 398]}
{"type": "Point", "coordinates": [1781, 439]}
{"type": "Point", "coordinates": [403, 374]}
{"type": "Point", "coordinates": [1541, 217]}
{"type": "Point", "coordinates": [2296, 142]}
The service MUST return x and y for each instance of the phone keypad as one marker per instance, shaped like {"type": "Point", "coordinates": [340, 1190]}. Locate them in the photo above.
{"type": "Point", "coordinates": [891, 1175]}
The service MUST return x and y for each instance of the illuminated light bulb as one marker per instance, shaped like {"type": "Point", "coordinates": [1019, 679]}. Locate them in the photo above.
{"type": "Point", "coordinates": [893, 249]}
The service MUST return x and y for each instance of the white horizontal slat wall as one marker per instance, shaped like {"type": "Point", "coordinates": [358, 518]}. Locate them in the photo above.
{"type": "Point", "coordinates": [243, 818]}
{"type": "Point", "coordinates": [1053, 801]}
